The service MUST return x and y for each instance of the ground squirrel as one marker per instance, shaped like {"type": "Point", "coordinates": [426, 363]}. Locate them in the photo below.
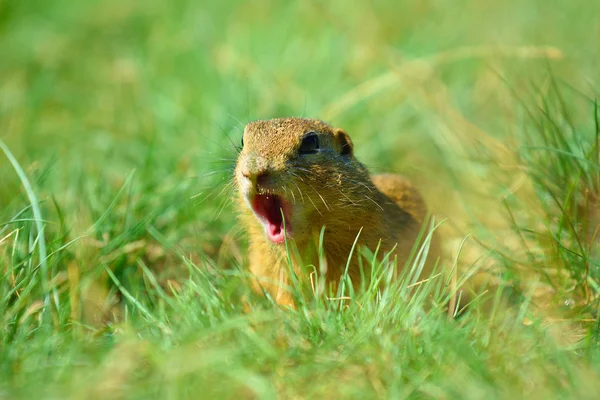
{"type": "Point", "coordinates": [295, 176]}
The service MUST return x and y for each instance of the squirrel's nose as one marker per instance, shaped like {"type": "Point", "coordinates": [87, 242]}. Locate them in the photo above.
{"type": "Point", "coordinates": [259, 178]}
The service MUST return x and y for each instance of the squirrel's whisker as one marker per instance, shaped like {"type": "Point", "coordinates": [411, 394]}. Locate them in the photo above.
{"type": "Point", "coordinates": [300, 191]}
{"type": "Point", "coordinates": [293, 195]}
{"type": "Point", "coordinates": [315, 206]}
{"type": "Point", "coordinates": [319, 194]}
{"type": "Point", "coordinates": [241, 125]}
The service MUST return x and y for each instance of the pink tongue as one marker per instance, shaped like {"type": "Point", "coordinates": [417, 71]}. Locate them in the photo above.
{"type": "Point", "coordinates": [274, 229]}
{"type": "Point", "coordinates": [269, 207]}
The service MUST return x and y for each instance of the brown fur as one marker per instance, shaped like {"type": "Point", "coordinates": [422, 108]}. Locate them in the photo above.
{"type": "Point", "coordinates": [330, 189]}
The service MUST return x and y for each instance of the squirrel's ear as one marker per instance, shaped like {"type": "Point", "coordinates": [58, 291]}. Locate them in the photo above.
{"type": "Point", "coordinates": [346, 147]}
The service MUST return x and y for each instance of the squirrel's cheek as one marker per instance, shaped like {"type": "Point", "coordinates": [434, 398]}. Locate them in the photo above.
{"type": "Point", "coordinates": [245, 187]}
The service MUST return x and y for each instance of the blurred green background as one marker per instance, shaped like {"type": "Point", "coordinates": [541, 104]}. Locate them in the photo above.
{"type": "Point", "coordinates": [92, 90]}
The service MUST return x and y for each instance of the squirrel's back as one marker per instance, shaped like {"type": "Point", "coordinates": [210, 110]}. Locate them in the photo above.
{"type": "Point", "coordinates": [403, 193]}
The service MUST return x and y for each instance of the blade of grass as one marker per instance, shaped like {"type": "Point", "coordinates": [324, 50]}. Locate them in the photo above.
{"type": "Point", "coordinates": [37, 214]}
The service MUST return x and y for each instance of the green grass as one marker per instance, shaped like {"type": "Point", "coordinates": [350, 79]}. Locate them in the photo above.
{"type": "Point", "coordinates": [122, 266]}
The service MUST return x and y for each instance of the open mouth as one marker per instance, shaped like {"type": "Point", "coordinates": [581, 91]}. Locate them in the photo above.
{"type": "Point", "coordinates": [268, 208]}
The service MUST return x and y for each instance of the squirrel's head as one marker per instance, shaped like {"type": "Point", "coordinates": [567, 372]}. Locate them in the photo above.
{"type": "Point", "coordinates": [290, 172]}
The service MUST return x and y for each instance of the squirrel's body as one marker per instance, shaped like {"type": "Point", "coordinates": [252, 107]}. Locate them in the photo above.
{"type": "Point", "coordinates": [296, 176]}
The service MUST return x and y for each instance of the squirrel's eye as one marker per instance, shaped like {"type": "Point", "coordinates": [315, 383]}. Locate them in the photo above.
{"type": "Point", "coordinates": [310, 144]}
